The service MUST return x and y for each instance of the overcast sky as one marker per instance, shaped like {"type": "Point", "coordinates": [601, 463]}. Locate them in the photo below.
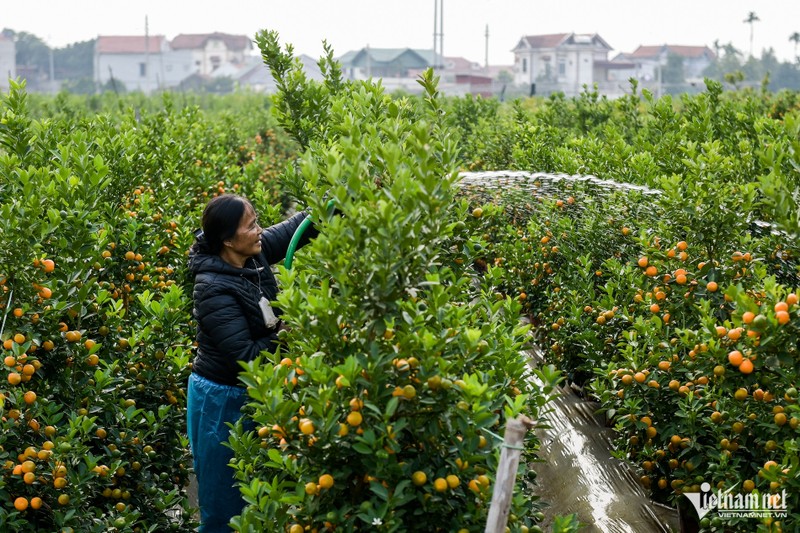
{"type": "Point", "coordinates": [353, 24]}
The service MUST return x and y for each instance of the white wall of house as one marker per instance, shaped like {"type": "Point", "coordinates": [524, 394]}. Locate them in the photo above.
{"type": "Point", "coordinates": [136, 72]}
{"type": "Point", "coordinates": [643, 69]}
{"type": "Point", "coordinates": [566, 67]}
{"type": "Point", "coordinates": [693, 67]}
{"type": "Point", "coordinates": [647, 68]}
{"type": "Point", "coordinates": [570, 67]}
{"type": "Point", "coordinates": [175, 66]}
{"type": "Point", "coordinates": [536, 65]}
{"type": "Point", "coordinates": [524, 67]}
{"type": "Point", "coordinates": [584, 69]}
{"type": "Point", "coordinates": [145, 72]}
{"type": "Point", "coordinates": [8, 62]}
{"type": "Point", "coordinates": [214, 55]}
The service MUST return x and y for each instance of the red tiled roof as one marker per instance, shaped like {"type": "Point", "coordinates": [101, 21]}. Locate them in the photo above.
{"type": "Point", "coordinates": [461, 64]}
{"type": "Point", "coordinates": [128, 44]}
{"type": "Point", "coordinates": [682, 51]}
{"type": "Point", "coordinates": [690, 51]}
{"type": "Point", "coordinates": [545, 41]}
{"type": "Point", "coordinates": [198, 40]}
{"type": "Point", "coordinates": [458, 63]}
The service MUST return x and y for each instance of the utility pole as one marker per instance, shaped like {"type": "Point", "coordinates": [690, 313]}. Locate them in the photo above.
{"type": "Point", "coordinates": [441, 32]}
{"type": "Point", "coordinates": [486, 56]}
{"type": "Point", "coordinates": [435, 24]}
{"type": "Point", "coordinates": [438, 33]}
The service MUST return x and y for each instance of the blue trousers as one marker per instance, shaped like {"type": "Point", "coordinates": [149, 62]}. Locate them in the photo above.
{"type": "Point", "coordinates": [209, 406]}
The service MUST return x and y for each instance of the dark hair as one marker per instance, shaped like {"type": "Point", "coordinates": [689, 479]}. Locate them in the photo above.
{"type": "Point", "coordinates": [221, 219]}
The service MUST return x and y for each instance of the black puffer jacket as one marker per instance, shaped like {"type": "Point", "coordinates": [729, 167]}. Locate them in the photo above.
{"type": "Point", "coordinates": [230, 325]}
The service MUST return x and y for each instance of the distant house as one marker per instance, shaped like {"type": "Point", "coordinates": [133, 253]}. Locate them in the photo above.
{"type": "Point", "coordinates": [461, 76]}
{"type": "Point", "coordinates": [140, 63]}
{"type": "Point", "coordinates": [400, 68]}
{"type": "Point", "coordinates": [154, 63]}
{"type": "Point", "coordinates": [256, 76]}
{"type": "Point", "coordinates": [476, 83]}
{"type": "Point", "coordinates": [562, 62]}
{"type": "Point", "coordinates": [8, 62]}
{"type": "Point", "coordinates": [385, 62]}
{"type": "Point", "coordinates": [448, 68]}
{"type": "Point", "coordinates": [646, 61]}
{"type": "Point", "coordinates": [259, 78]}
{"type": "Point", "coordinates": [461, 65]}
{"type": "Point", "coordinates": [210, 51]}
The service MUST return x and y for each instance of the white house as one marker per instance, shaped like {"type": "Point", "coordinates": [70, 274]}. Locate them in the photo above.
{"type": "Point", "coordinates": [562, 62]}
{"type": "Point", "coordinates": [646, 61]}
{"type": "Point", "coordinates": [8, 62]}
{"type": "Point", "coordinates": [152, 63]}
{"type": "Point", "coordinates": [139, 63]}
{"type": "Point", "coordinates": [256, 76]}
{"type": "Point", "coordinates": [209, 51]}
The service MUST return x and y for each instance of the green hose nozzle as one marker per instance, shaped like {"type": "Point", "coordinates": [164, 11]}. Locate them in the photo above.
{"type": "Point", "coordinates": [298, 234]}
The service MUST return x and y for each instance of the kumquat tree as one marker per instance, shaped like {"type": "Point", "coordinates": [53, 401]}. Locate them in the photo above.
{"type": "Point", "coordinates": [401, 367]}
{"type": "Point", "coordinates": [646, 248]}
{"type": "Point", "coordinates": [96, 214]}
{"type": "Point", "coordinates": [667, 290]}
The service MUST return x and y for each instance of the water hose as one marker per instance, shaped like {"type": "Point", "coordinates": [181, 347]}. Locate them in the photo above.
{"type": "Point", "coordinates": [298, 234]}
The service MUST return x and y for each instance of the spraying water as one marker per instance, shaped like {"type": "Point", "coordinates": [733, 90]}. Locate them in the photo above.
{"type": "Point", "coordinates": [577, 472]}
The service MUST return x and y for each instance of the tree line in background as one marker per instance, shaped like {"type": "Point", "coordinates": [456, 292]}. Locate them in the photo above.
{"type": "Point", "coordinates": [73, 65]}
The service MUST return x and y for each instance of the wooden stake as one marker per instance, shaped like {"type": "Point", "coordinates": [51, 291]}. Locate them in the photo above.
{"type": "Point", "coordinates": [507, 473]}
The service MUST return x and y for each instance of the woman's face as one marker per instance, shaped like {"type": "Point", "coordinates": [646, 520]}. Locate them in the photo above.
{"type": "Point", "coordinates": [247, 241]}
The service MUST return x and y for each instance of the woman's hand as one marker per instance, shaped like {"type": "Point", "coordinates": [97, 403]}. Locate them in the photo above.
{"type": "Point", "coordinates": [283, 327]}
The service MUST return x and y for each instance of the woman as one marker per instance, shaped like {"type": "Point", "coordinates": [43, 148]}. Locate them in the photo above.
{"type": "Point", "coordinates": [233, 285]}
